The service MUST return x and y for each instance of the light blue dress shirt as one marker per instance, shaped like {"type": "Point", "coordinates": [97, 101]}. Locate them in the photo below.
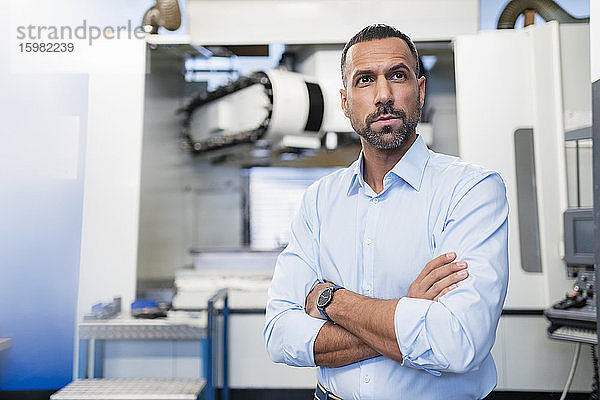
{"type": "Point", "coordinates": [377, 245]}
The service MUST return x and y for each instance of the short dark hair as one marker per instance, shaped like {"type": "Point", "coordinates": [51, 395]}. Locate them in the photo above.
{"type": "Point", "coordinates": [374, 32]}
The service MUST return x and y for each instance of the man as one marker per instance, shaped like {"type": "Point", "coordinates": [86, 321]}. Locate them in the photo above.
{"type": "Point", "coordinates": [350, 294]}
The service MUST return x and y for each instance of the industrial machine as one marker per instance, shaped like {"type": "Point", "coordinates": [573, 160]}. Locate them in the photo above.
{"type": "Point", "coordinates": [285, 108]}
{"type": "Point", "coordinates": [520, 126]}
{"type": "Point", "coordinates": [574, 317]}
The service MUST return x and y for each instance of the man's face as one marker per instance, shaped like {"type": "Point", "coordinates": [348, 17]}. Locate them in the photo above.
{"type": "Point", "coordinates": [382, 96]}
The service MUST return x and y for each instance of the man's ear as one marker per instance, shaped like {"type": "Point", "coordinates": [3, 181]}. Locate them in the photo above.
{"type": "Point", "coordinates": [344, 102]}
{"type": "Point", "coordinates": [421, 83]}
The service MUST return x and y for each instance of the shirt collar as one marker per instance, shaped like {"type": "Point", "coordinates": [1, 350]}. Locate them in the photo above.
{"type": "Point", "coordinates": [410, 168]}
{"type": "Point", "coordinates": [356, 179]}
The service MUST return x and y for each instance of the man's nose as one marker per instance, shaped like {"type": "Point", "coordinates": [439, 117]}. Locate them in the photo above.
{"type": "Point", "coordinates": [383, 95]}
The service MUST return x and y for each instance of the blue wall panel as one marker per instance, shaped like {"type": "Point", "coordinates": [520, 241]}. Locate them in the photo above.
{"type": "Point", "coordinates": [40, 223]}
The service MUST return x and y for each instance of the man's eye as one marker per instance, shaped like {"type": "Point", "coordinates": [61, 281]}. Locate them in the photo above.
{"type": "Point", "coordinates": [364, 79]}
{"type": "Point", "coordinates": [399, 75]}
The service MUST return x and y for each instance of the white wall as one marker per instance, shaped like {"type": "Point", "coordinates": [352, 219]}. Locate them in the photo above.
{"type": "Point", "coordinates": [115, 69]}
{"type": "Point", "coordinates": [112, 180]}
{"type": "Point", "coordinates": [527, 360]}
{"type": "Point", "coordinates": [73, 129]}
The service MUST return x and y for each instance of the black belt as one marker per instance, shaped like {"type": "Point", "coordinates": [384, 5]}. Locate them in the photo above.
{"type": "Point", "coordinates": [322, 394]}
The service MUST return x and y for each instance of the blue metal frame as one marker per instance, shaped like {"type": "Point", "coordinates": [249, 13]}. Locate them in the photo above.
{"type": "Point", "coordinates": [97, 371]}
{"type": "Point", "coordinates": [212, 346]}
{"type": "Point", "coordinates": [82, 357]}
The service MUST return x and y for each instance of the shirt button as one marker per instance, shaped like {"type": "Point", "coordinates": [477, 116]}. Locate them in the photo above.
{"type": "Point", "coordinates": [368, 241]}
{"type": "Point", "coordinates": [375, 200]}
{"type": "Point", "coordinates": [368, 287]}
{"type": "Point", "coordinates": [367, 379]}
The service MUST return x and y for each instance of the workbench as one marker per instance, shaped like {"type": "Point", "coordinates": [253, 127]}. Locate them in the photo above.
{"type": "Point", "coordinates": [197, 326]}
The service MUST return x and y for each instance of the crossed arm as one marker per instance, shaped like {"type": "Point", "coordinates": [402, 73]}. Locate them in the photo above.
{"type": "Point", "coordinates": [365, 326]}
{"type": "Point", "coordinates": [453, 334]}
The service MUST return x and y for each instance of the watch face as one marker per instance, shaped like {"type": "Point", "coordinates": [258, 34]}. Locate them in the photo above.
{"type": "Point", "coordinates": [324, 298]}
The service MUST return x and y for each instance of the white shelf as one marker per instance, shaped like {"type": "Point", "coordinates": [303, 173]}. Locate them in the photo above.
{"type": "Point", "coordinates": [140, 329]}
{"type": "Point", "coordinates": [131, 389]}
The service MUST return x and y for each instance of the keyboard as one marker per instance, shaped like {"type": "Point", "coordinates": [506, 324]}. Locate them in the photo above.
{"type": "Point", "coordinates": [573, 324]}
{"type": "Point", "coordinates": [573, 334]}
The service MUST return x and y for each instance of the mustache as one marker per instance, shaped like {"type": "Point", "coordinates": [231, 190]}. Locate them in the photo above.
{"type": "Point", "coordinates": [385, 110]}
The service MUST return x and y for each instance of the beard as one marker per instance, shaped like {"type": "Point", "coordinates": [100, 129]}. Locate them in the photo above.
{"type": "Point", "coordinates": [388, 137]}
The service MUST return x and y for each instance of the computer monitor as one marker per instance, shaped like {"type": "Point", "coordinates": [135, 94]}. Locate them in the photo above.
{"type": "Point", "coordinates": [579, 236]}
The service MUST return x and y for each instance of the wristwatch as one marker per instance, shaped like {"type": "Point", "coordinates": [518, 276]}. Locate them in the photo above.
{"type": "Point", "coordinates": [325, 298]}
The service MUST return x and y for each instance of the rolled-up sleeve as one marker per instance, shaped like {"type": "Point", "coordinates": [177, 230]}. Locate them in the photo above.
{"type": "Point", "coordinates": [289, 332]}
{"type": "Point", "coordinates": [456, 333]}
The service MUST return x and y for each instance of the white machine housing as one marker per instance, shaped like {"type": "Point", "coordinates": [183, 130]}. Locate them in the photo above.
{"type": "Point", "coordinates": [536, 78]}
{"type": "Point", "coordinates": [533, 79]}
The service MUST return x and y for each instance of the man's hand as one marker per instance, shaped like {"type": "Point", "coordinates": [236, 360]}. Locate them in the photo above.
{"type": "Point", "coordinates": [439, 276]}
{"type": "Point", "coordinates": [311, 300]}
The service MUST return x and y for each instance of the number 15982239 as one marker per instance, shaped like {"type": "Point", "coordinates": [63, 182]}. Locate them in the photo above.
{"type": "Point", "coordinates": [43, 47]}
